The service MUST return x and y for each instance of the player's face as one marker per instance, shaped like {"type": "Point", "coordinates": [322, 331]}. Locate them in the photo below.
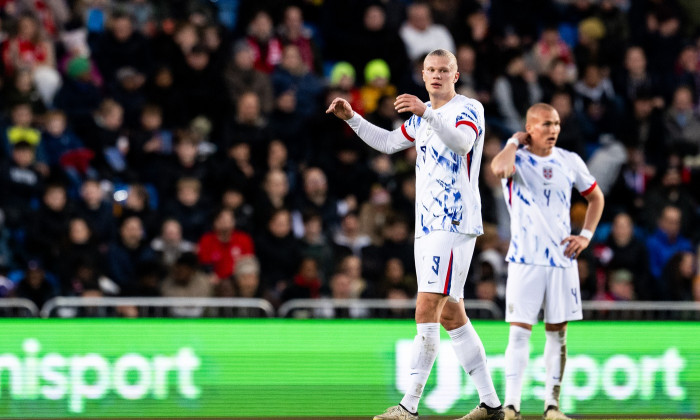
{"type": "Point", "coordinates": [439, 74]}
{"type": "Point", "coordinates": [543, 128]}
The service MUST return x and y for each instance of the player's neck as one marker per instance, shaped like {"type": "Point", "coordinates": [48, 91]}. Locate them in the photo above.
{"type": "Point", "coordinates": [541, 152]}
{"type": "Point", "coordinates": [438, 100]}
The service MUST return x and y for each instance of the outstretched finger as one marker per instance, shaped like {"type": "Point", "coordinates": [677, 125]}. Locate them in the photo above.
{"type": "Point", "coordinates": [331, 107]}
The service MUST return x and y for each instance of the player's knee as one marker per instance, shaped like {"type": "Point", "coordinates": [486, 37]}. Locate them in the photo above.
{"type": "Point", "coordinates": [451, 322]}
{"type": "Point", "coordinates": [555, 327]}
{"type": "Point", "coordinates": [425, 314]}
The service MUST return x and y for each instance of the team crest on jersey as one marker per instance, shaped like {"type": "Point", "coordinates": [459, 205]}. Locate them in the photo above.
{"type": "Point", "coordinates": [428, 130]}
{"type": "Point", "coordinates": [547, 171]}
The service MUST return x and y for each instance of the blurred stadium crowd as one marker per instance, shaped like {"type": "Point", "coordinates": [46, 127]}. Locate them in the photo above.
{"type": "Point", "coordinates": [179, 148]}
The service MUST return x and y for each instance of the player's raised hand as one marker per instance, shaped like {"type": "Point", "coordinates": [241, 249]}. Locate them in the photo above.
{"type": "Point", "coordinates": [341, 109]}
{"type": "Point", "coordinates": [409, 103]}
{"type": "Point", "coordinates": [503, 164]}
{"type": "Point", "coordinates": [522, 137]}
{"type": "Point", "coordinates": [576, 245]}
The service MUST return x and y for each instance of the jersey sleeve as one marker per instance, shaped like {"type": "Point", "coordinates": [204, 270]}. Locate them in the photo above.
{"type": "Point", "coordinates": [410, 127]}
{"type": "Point", "coordinates": [471, 115]}
{"type": "Point", "coordinates": [583, 180]}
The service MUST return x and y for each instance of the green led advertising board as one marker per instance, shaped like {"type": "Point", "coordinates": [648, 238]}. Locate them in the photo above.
{"type": "Point", "coordinates": [281, 368]}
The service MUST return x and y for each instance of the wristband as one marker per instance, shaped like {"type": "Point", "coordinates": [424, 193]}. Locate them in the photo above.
{"type": "Point", "coordinates": [514, 141]}
{"type": "Point", "coordinates": [586, 234]}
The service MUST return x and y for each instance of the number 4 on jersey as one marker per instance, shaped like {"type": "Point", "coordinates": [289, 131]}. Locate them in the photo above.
{"type": "Point", "coordinates": [436, 261]}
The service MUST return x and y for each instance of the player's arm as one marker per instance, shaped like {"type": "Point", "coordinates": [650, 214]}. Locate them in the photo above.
{"type": "Point", "coordinates": [459, 139]}
{"type": "Point", "coordinates": [378, 138]}
{"type": "Point", "coordinates": [577, 243]}
{"type": "Point", "coordinates": [503, 164]}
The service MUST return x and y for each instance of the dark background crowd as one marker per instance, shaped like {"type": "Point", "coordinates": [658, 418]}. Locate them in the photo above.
{"type": "Point", "coordinates": [180, 148]}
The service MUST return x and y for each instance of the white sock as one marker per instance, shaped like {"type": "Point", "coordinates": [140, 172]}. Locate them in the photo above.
{"type": "Point", "coordinates": [471, 355]}
{"type": "Point", "coordinates": [425, 350]}
{"type": "Point", "coordinates": [554, 361]}
{"type": "Point", "coordinates": [517, 356]}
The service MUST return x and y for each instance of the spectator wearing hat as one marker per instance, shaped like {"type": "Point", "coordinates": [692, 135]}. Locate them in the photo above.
{"type": "Point", "coordinates": [245, 283]}
{"type": "Point", "coordinates": [377, 84]}
{"type": "Point", "coordinates": [342, 77]}
{"type": "Point", "coordinates": [79, 96]}
{"type": "Point", "coordinates": [75, 44]}
{"type": "Point", "coordinates": [20, 128]}
{"type": "Point", "coordinates": [589, 49]}
{"type": "Point", "coordinates": [246, 278]}
{"type": "Point", "coordinates": [620, 286]}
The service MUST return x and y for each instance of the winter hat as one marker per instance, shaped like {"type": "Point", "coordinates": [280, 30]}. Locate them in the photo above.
{"type": "Point", "coordinates": [77, 66]}
{"type": "Point", "coordinates": [375, 69]}
{"type": "Point", "coordinates": [341, 69]}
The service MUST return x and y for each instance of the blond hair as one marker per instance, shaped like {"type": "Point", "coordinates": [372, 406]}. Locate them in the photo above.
{"type": "Point", "coordinates": [541, 106]}
{"type": "Point", "coordinates": [440, 52]}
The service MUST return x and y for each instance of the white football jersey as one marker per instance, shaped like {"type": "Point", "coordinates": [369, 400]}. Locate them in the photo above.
{"type": "Point", "coordinates": [447, 185]}
{"type": "Point", "coordinates": [539, 200]}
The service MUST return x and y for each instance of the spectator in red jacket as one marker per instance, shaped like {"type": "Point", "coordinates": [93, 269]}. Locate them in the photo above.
{"type": "Point", "coordinates": [267, 48]}
{"type": "Point", "coordinates": [223, 246]}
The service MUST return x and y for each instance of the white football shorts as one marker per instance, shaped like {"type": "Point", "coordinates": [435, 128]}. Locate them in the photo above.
{"type": "Point", "coordinates": [529, 287]}
{"type": "Point", "coordinates": [442, 262]}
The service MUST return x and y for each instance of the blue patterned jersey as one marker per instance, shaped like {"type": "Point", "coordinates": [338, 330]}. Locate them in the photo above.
{"type": "Point", "coordinates": [539, 200]}
{"type": "Point", "coordinates": [447, 184]}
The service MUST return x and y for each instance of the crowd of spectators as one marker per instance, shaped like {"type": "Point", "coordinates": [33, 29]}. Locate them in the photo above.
{"type": "Point", "coordinates": [179, 148]}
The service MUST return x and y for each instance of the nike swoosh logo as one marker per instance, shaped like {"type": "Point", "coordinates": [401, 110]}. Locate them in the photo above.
{"type": "Point", "coordinates": [431, 282]}
{"type": "Point", "coordinates": [416, 373]}
{"type": "Point", "coordinates": [574, 311]}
